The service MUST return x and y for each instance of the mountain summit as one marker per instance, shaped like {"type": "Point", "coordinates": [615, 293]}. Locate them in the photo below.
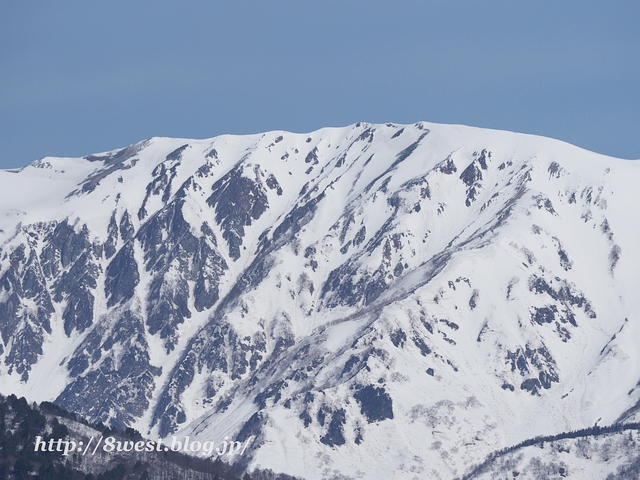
{"type": "Point", "coordinates": [397, 299]}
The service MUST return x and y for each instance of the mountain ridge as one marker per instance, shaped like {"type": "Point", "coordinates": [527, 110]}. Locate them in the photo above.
{"type": "Point", "coordinates": [309, 288]}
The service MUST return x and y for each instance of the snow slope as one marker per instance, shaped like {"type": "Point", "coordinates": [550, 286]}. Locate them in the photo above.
{"type": "Point", "coordinates": [397, 300]}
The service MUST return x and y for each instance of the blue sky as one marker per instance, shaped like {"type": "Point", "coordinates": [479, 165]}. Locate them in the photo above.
{"type": "Point", "coordinates": [78, 77]}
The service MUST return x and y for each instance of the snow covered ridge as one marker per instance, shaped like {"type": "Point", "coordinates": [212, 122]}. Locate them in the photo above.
{"type": "Point", "coordinates": [397, 299]}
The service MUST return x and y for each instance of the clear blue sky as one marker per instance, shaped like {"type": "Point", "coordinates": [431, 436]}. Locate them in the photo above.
{"type": "Point", "coordinates": [78, 77]}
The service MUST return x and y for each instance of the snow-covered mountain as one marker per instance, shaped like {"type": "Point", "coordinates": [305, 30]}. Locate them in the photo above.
{"type": "Point", "coordinates": [389, 300]}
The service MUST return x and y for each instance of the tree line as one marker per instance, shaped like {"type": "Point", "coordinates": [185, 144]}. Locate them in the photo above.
{"type": "Point", "coordinates": [21, 423]}
{"type": "Point", "coordinates": [541, 439]}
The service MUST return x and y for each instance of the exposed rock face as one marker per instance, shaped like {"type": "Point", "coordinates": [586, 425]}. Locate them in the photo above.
{"type": "Point", "coordinates": [351, 289]}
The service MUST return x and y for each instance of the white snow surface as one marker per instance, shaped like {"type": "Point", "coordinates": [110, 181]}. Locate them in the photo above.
{"type": "Point", "coordinates": [446, 336]}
